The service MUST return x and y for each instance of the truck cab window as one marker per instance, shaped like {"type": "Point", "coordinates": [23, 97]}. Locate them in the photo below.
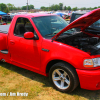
{"type": "Point", "coordinates": [23, 25]}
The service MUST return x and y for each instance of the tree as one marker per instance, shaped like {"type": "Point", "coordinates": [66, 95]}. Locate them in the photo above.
{"type": "Point", "coordinates": [52, 7]}
{"type": "Point", "coordinates": [42, 8]}
{"type": "Point", "coordinates": [10, 6]}
{"type": "Point", "coordinates": [15, 8]}
{"type": "Point", "coordinates": [56, 7]}
{"type": "Point", "coordinates": [65, 7]}
{"type": "Point", "coordinates": [19, 8]}
{"type": "Point", "coordinates": [68, 8]}
{"type": "Point", "coordinates": [83, 8]}
{"type": "Point", "coordinates": [61, 6]}
{"type": "Point", "coordinates": [95, 7]}
{"type": "Point", "coordinates": [90, 8]}
{"type": "Point", "coordinates": [31, 7]}
{"type": "Point", "coordinates": [74, 9]}
{"type": "Point", "coordinates": [3, 7]}
{"type": "Point", "coordinates": [24, 7]}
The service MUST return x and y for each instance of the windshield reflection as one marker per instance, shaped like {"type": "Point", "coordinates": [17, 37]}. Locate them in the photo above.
{"type": "Point", "coordinates": [50, 25]}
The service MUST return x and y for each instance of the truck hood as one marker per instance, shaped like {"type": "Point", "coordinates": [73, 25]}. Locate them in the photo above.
{"type": "Point", "coordinates": [82, 22]}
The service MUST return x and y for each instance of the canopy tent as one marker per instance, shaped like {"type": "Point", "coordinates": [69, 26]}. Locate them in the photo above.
{"type": "Point", "coordinates": [59, 13]}
{"type": "Point", "coordinates": [2, 13]}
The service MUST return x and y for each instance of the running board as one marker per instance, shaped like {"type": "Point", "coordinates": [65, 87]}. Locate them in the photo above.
{"type": "Point", "coordinates": [4, 51]}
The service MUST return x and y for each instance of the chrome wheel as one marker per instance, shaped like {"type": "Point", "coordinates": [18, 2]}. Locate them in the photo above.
{"type": "Point", "coordinates": [61, 78]}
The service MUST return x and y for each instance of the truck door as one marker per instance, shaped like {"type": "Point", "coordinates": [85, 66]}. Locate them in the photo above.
{"type": "Point", "coordinates": [24, 51]}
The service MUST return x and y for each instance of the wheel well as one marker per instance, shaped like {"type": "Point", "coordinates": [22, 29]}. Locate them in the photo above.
{"type": "Point", "coordinates": [51, 63]}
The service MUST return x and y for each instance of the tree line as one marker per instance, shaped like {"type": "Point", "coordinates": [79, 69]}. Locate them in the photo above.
{"type": "Point", "coordinates": [60, 6]}
{"type": "Point", "coordinates": [9, 7]}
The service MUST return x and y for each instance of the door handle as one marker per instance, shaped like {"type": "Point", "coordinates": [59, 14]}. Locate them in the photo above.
{"type": "Point", "coordinates": [12, 42]}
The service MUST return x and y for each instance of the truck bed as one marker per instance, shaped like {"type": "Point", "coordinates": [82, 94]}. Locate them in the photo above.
{"type": "Point", "coordinates": [4, 28]}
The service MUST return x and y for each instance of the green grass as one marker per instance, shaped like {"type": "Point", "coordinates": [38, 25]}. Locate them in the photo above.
{"type": "Point", "coordinates": [15, 79]}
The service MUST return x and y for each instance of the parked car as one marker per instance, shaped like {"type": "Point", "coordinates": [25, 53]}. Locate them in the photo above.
{"type": "Point", "coordinates": [94, 27]}
{"type": "Point", "coordinates": [46, 44]}
{"type": "Point", "coordinates": [7, 18]}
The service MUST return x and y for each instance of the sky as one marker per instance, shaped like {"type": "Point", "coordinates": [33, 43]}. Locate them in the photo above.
{"type": "Point", "coordinates": [47, 3]}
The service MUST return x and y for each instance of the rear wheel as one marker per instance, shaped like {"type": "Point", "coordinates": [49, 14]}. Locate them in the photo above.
{"type": "Point", "coordinates": [63, 77]}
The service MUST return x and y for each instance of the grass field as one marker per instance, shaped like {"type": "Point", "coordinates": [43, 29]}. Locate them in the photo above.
{"type": "Point", "coordinates": [14, 79]}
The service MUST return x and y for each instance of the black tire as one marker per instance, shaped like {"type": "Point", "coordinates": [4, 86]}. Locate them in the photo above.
{"type": "Point", "coordinates": [63, 77]}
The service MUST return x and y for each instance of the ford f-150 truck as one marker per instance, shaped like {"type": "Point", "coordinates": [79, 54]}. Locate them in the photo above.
{"type": "Point", "coordinates": [46, 44]}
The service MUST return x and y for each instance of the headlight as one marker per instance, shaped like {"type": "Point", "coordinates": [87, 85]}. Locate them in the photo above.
{"type": "Point", "coordinates": [96, 62]}
{"type": "Point", "coordinates": [92, 62]}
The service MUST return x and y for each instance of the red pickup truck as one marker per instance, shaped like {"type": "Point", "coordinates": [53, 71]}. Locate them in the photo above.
{"type": "Point", "coordinates": [47, 45]}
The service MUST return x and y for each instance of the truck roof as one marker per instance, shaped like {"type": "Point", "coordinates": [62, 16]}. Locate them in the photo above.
{"type": "Point", "coordinates": [5, 28]}
{"type": "Point", "coordinates": [34, 15]}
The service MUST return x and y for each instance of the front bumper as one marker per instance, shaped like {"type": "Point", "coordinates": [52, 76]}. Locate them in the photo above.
{"type": "Point", "coordinates": [89, 79]}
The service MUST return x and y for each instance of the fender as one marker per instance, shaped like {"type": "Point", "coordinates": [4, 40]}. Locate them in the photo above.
{"type": "Point", "coordinates": [61, 52]}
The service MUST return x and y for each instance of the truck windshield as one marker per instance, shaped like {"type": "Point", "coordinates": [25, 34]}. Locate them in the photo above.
{"type": "Point", "coordinates": [50, 25]}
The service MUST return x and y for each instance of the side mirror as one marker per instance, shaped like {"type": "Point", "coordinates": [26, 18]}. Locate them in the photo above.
{"type": "Point", "coordinates": [28, 35]}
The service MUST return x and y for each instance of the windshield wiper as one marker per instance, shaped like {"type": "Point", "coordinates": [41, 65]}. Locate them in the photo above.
{"type": "Point", "coordinates": [50, 34]}
{"type": "Point", "coordinates": [68, 32]}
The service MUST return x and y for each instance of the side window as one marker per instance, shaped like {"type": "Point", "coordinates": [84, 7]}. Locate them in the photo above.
{"type": "Point", "coordinates": [77, 16]}
{"type": "Point", "coordinates": [23, 25]}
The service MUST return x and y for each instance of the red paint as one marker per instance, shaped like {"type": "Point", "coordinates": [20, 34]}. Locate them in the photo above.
{"type": "Point", "coordinates": [28, 35]}
{"type": "Point", "coordinates": [89, 79]}
{"type": "Point", "coordinates": [82, 22]}
{"type": "Point", "coordinates": [28, 53]}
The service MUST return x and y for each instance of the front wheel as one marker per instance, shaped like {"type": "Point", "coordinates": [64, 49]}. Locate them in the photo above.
{"type": "Point", "coordinates": [63, 77]}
